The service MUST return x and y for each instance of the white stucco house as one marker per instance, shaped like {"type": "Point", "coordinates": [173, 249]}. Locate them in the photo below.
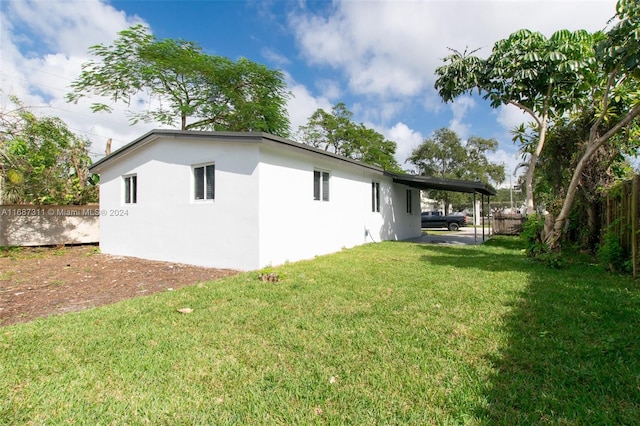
{"type": "Point", "coordinates": [245, 200]}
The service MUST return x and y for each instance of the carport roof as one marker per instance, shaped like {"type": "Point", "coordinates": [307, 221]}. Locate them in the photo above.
{"type": "Point", "coordinates": [454, 185]}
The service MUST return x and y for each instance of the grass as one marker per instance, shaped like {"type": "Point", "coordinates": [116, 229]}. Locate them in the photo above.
{"type": "Point", "coordinates": [389, 333]}
{"type": "Point", "coordinates": [17, 253]}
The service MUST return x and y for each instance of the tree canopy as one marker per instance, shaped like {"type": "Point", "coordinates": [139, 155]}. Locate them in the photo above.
{"type": "Point", "coordinates": [445, 155]}
{"type": "Point", "coordinates": [542, 76]}
{"type": "Point", "coordinates": [42, 161]}
{"type": "Point", "coordinates": [336, 132]}
{"type": "Point", "coordinates": [185, 86]}
{"type": "Point", "coordinates": [570, 74]}
{"type": "Point", "coordinates": [614, 102]}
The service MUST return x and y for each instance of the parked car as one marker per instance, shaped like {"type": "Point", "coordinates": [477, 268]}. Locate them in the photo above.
{"type": "Point", "coordinates": [433, 219]}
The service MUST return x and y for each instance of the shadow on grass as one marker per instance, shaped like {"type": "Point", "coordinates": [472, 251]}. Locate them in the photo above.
{"type": "Point", "coordinates": [573, 354]}
{"type": "Point", "coordinates": [497, 254]}
{"type": "Point", "coordinates": [573, 349]}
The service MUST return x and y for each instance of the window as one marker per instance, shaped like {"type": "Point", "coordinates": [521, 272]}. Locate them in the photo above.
{"type": "Point", "coordinates": [131, 189]}
{"type": "Point", "coordinates": [375, 196]}
{"type": "Point", "coordinates": [409, 201]}
{"type": "Point", "coordinates": [320, 185]}
{"type": "Point", "coordinates": [204, 182]}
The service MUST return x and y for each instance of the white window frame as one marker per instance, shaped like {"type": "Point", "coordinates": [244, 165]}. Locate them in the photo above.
{"type": "Point", "coordinates": [409, 201]}
{"type": "Point", "coordinates": [206, 197]}
{"type": "Point", "coordinates": [130, 189]}
{"type": "Point", "coordinates": [375, 197]}
{"type": "Point", "coordinates": [321, 185]}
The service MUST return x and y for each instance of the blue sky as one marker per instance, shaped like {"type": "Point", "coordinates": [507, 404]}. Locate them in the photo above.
{"type": "Point", "coordinates": [378, 57]}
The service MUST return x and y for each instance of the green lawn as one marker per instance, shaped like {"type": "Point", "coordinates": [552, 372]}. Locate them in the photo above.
{"type": "Point", "coordinates": [389, 333]}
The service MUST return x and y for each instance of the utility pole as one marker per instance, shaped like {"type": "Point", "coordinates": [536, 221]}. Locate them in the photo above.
{"type": "Point", "coordinates": [511, 192]}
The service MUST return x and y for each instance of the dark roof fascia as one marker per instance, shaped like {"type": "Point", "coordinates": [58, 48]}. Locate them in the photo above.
{"type": "Point", "coordinates": [454, 185]}
{"type": "Point", "coordinates": [277, 141]}
{"type": "Point", "coordinates": [251, 137]}
{"type": "Point", "coordinates": [415, 181]}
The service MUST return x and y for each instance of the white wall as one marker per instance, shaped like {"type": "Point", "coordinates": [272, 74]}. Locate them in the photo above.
{"type": "Point", "coordinates": [166, 223]}
{"type": "Point", "coordinates": [29, 225]}
{"type": "Point", "coordinates": [294, 226]}
{"type": "Point", "coordinates": [263, 213]}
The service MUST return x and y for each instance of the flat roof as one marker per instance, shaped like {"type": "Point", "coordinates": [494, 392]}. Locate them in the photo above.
{"type": "Point", "coordinates": [414, 181]}
{"type": "Point", "coordinates": [454, 185]}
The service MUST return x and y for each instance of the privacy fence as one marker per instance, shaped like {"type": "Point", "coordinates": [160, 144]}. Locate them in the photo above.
{"type": "Point", "coordinates": [621, 216]}
{"type": "Point", "coordinates": [29, 225]}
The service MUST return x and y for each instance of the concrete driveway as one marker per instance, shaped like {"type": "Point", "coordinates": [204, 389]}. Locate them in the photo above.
{"type": "Point", "coordinates": [465, 236]}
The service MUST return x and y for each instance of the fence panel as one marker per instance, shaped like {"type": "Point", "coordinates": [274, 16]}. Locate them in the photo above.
{"type": "Point", "coordinates": [508, 224]}
{"type": "Point", "coordinates": [622, 215]}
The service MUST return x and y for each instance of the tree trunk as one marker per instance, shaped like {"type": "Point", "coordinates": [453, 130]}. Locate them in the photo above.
{"type": "Point", "coordinates": [553, 238]}
{"type": "Point", "coordinates": [533, 160]}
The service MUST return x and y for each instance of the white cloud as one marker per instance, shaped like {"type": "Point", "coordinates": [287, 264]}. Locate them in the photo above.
{"type": "Point", "coordinates": [330, 89]}
{"type": "Point", "coordinates": [44, 44]}
{"type": "Point", "coordinates": [387, 51]}
{"type": "Point", "coordinates": [407, 140]}
{"type": "Point", "coordinates": [57, 24]}
{"type": "Point", "coordinates": [302, 104]}
{"type": "Point", "coordinates": [509, 116]}
{"type": "Point", "coordinates": [392, 48]}
{"type": "Point", "coordinates": [510, 162]}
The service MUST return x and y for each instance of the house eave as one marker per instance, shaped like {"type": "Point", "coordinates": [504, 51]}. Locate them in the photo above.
{"type": "Point", "coordinates": [414, 181]}
{"type": "Point", "coordinates": [244, 137]}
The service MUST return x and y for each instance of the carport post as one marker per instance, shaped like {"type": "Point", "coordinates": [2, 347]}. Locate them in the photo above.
{"type": "Point", "coordinates": [482, 217]}
{"type": "Point", "coordinates": [475, 229]}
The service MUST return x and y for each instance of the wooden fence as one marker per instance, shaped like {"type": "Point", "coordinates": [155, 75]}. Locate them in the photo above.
{"type": "Point", "coordinates": [508, 224]}
{"type": "Point", "coordinates": [621, 216]}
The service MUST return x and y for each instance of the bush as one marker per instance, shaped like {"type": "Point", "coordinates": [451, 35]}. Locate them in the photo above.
{"type": "Point", "coordinates": [610, 253]}
{"type": "Point", "coordinates": [532, 230]}
{"type": "Point", "coordinates": [532, 234]}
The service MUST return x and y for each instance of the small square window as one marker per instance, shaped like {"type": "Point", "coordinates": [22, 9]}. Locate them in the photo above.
{"type": "Point", "coordinates": [131, 189]}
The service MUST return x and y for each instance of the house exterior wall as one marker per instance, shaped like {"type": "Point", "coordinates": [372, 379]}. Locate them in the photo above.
{"type": "Point", "coordinates": [166, 223]}
{"type": "Point", "coordinates": [264, 212]}
{"type": "Point", "coordinates": [294, 226]}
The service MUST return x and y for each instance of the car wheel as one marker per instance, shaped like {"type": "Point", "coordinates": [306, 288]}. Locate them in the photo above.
{"type": "Point", "coordinates": [453, 226]}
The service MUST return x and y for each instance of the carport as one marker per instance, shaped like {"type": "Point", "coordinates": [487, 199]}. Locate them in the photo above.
{"type": "Point", "coordinates": [453, 185]}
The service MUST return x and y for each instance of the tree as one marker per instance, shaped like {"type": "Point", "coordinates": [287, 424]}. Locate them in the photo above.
{"type": "Point", "coordinates": [445, 156]}
{"type": "Point", "coordinates": [543, 77]}
{"type": "Point", "coordinates": [615, 101]}
{"type": "Point", "coordinates": [336, 132]}
{"type": "Point", "coordinates": [195, 90]}
{"type": "Point", "coordinates": [565, 144]}
{"type": "Point", "coordinates": [43, 162]}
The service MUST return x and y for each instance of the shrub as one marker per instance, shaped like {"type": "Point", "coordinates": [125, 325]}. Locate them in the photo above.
{"type": "Point", "coordinates": [532, 230]}
{"type": "Point", "coordinates": [611, 254]}
{"type": "Point", "coordinates": [532, 234]}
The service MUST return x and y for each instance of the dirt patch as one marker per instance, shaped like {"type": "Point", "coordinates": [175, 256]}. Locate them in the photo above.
{"type": "Point", "coordinates": [38, 282]}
